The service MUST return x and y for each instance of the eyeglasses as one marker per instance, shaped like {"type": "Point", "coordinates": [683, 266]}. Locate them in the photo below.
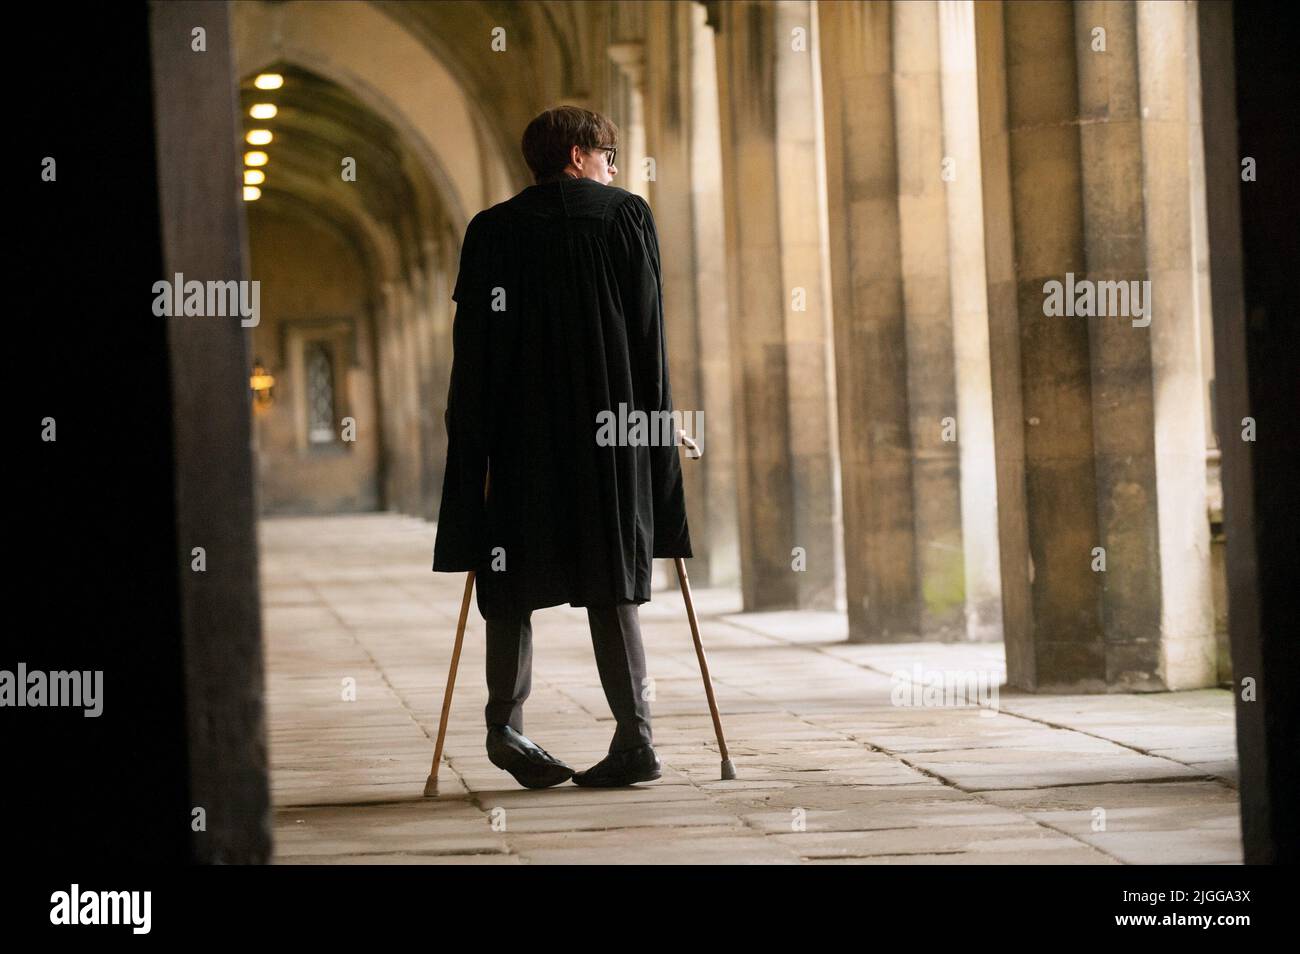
{"type": "Point", "coordinates": [611, 151]}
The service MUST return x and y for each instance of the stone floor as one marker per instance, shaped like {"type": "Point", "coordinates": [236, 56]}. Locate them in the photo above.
{"type": "Point", "coordinates": [359, 634]}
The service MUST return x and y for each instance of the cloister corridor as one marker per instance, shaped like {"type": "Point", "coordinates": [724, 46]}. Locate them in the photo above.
{"type": "Point", "coordinates": [829, 769]}
{"type": "Point", "coordinates": [950, 345]}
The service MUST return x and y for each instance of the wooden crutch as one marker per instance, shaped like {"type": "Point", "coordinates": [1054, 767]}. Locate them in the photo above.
{"type": "Point", "coordinates": [728, 767]}
{"type": "Point", "coordinates": [431, 783]}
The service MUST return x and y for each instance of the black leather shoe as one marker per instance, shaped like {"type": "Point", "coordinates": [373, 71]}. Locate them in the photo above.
{"type": "Point", "coordinates": [622, 768]}
{"type": "Point", "coordinates": [531, 765]}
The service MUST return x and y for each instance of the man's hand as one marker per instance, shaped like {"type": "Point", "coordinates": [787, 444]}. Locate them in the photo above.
{"type": "Point", "coordinates": [693, 450]}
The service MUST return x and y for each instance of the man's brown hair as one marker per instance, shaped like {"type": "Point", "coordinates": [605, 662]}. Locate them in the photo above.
{"type": "Point", "coordinates": [552, 134]}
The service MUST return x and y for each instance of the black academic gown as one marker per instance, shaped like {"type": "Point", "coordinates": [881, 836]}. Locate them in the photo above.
{"type": "Point", "coordinates": [559, 317]}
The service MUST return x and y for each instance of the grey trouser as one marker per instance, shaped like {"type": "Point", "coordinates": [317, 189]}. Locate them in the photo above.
{"type": "Point", "coordinates": [620, 659]}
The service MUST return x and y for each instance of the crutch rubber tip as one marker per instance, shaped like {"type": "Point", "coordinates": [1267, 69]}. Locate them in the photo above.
{"type": "Point", "coordinates": [431, 787]}
{"type": "Point", "coordinates": [728, 769]}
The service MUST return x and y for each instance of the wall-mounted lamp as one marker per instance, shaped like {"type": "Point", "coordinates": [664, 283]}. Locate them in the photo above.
{"type": "Point", "coordinates": [262, 383]}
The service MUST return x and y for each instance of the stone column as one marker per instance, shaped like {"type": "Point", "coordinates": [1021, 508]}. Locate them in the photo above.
{"type": "Point", "coordinates": [970, 321]}
{"type": "Point", "coordinates": [432, 446]}
{"type": "Point", "coordinates": [927, 309]}
{"type": "Point", "coordinates": [387, 364]}
{"type": "Point", "coordinates": [629, 57]}
{"type": "Point", "coordinates": [785, 440]}
{"type": "Point", "coordinates": [870, 329]}
{"type": "Point", "coordinates": [1170, 146]}
{"type": "Point", "coordinates": [686, 194]}
{"type": "Point", "coordinates": [905, 246]}
{"type": "Point", "coordinates": [443, 259]}
{"type": "Point", "coordinates": [204, 237]}
{"type": "Point", "coordinates": [1096, 495]}
{"type": "Point", "coordinates": [407, 449]}
{"type": "Point", "coordinates": [1257, 362]}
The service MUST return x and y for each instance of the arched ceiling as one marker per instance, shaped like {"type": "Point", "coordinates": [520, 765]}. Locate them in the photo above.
{"type": "Point", "coordinates": [429, 69]}
{"type": "Point", "coordinates": [391, 207]}
{"type": "Point", "coordinates": [554, 54]}
{"type": "Point", "coordinates": [394, 75]}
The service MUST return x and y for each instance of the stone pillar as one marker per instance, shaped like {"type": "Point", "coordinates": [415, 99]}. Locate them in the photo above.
{"type": "Point", "coordinates": [432, 446]}
{"type": "Point", "coordinates": [204, 237]}
{"type": "Point", "coordinates": [1201, 298]}
{"type": "Point", "coordinates": [712, 308]}
{"type": "Point", "coordinates": [1092, 413]}
{"type": "Point", "coordinates": [777, 281]}
{"type": "Point", "coordinates": [1109, 131]}
{"type": "Point", "coordinates": [442, 259]}
{"type": "Point", "coordinates": [870, 330]}
{"type": "Point", "coordinates": [970, 321]}
{"type": "Point", "coordinates": [629, 57]}
{"type": "Point", "coordinates": [927, 309]}
{"type": "Point", "coordinates": [1170, 139]}
{"type": "Point", "coordinates": [682, 133]}
{"type": "Point", "coordinates": [1251, 245]}
{"type": "Point", "coordinates": [406, 447]}
{"type": "Point", "coordinates": [906, 246]}
{"type": "Point", "coordinates": [388, 354]}
{"type": "Point", "coordinates": [411, 323]}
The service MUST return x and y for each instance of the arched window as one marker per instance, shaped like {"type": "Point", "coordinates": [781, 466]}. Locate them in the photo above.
{"type": "Point", "coordinates": [322, 426]}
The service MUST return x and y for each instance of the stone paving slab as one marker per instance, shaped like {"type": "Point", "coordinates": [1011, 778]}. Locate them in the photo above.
{"type": "Point", "coordinates": [1016, 856]}
{"type": "Point", "coordinates": [831, 769]}
{"type": "Point", "coordinates": [401, 858]}
{"type": "Point", "coordinates": [561, 817]}
{"type": "Point", "coordinates": [728, 846]}
{"type": "Point", "coordinates": [1022, 838]}
{"type": "Point", "coordinates": [410, 826]}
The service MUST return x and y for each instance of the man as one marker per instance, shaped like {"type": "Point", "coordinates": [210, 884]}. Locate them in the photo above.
{"type": "Point", "coordinates": [559, 318]}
